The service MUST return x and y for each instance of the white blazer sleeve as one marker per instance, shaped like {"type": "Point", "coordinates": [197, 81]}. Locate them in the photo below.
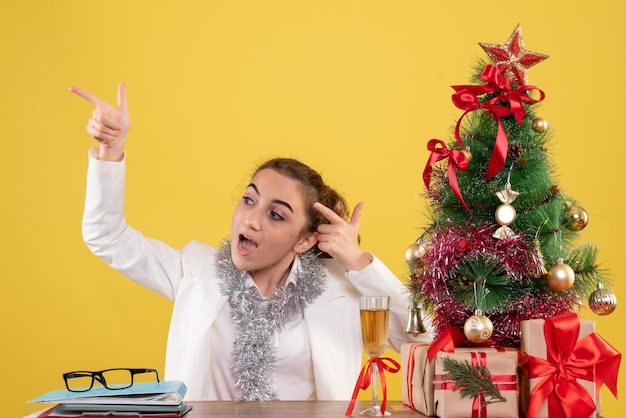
{"type": "Point", "coordinates": [148, 262]}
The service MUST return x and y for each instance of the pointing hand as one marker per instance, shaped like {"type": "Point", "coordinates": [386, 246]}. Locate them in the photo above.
{"type": "Point", "coordinates": [340, 239]}
{"type": "Point", "coordinates": [108, 124]}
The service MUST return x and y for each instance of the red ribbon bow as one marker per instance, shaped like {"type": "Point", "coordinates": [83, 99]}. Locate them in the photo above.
{"type": "Point", "coordinates": [466, 98]}
{"type": "Point", "coordinates": [450, 339]}
{"type": "Point", "coordinates": [365, 377]}
{"type": "Point", "coordinates": [456, 160]}
{"type": "Point", "coordinates": [591, 358]}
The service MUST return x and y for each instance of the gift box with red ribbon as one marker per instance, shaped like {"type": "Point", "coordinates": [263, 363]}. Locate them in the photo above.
{"type": "Point", "coordinates": [417, 378]}
{"type": "Point", "coordinates": [485, 384]}
{"type": "Point", "coordinates": [418, 367]}
{"type": "Point", "coordinates": [564, 365]}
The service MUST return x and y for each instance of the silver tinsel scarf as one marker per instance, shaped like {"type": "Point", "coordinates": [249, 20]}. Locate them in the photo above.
{"type": "Point", "coordinates": [256, 320]}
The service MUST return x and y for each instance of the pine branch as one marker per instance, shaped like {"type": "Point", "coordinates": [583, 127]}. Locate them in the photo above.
{"type": "Point", "coordinates": [471, 381]}
{"type": "Point", "coordinates": [482, 283]}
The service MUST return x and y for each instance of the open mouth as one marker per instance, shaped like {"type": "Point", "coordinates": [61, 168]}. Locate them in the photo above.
{"type": "Point", "coordinates": [246, 244]}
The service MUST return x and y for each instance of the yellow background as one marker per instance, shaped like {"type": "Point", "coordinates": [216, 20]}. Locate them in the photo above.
{"type": "Point", "coordinates": [354, 88]}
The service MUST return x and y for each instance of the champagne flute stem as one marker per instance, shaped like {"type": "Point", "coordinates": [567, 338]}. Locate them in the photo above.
{"type": "Point", "coordinates": [375, 384]}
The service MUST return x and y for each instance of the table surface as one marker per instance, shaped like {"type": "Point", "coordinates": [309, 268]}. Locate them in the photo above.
{"type": "Point", "coordinates": [299, 409]}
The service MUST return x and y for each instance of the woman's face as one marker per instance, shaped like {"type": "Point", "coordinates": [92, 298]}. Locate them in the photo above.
{"type": "Point", "coordinates": [269, 226]}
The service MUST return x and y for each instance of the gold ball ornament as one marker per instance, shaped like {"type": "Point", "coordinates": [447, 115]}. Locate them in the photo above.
{"type": "Point", "coordinates": [576, 218]}
{"type": "Point", "coordinates": [478, 328]}
{"type": "Point", "coordinates": [540, 125]}
{"type": "Point", "coordinates": [560, 276]}
{"type": "Point", "coordinates": [415, 251]}
{"type": "Point", "coordinates": [602, 301]}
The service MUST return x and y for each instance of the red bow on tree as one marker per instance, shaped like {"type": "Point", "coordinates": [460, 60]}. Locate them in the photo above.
{"type": "Point", "coordinates": [466, 98]}
{"type": "Point", "coordinates": [591, 358]}
{"type": "Point", "coordinates": [456, 160]}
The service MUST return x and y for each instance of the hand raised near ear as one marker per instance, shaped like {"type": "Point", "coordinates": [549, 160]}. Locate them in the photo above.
{"type": "Point", "coordinates": [108, 124]}
{"type": "Point", "coordinates": [340, 239]}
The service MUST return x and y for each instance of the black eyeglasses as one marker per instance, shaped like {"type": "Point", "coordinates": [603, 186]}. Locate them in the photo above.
{"type": "Point", "coordinates": [113, 379]}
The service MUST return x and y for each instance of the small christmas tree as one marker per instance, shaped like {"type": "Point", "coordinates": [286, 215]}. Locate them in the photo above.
{"type": "Point", "coordinates": [500, 247]}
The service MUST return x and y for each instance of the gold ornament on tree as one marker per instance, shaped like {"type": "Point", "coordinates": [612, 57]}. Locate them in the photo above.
{"type": "Point", "coordinates": [478, 328]}
{"type": "Point", "coordinates": [602, 301]}
{"type": "Point", "coordinates": [540, 264]}
{"type": "Point", "coordinates": [505, 213]}
{"type": "Point", "coordinates": [560, 276]}
{"type": "Point", "coordinates": [540, 268]}
{"type": "Point", "coordinates": [540, 125]}
{"type": "Point", "coordinates": [415, 251]}
{"type": "Point", "coordinates": [576, 218]}
{"type": "Point", "coordinates": [414, 325]}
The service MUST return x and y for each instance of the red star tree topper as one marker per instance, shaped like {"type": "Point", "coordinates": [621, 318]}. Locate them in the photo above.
{"type": "Point", "coordinates": [511, 59]}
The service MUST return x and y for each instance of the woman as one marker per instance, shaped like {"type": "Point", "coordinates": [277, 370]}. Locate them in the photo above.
{"type": "Point", "coordinates": [265, 316]}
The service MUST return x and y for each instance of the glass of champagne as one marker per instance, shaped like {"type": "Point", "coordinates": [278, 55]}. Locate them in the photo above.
{"type": "Point", "coordinates": [374, 329]}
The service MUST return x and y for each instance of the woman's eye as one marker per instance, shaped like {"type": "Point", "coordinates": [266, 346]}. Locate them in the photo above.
{"type": "Point", "coordinates": [276, 216]}
{"type": "Point", "coordinates": [247, 200]}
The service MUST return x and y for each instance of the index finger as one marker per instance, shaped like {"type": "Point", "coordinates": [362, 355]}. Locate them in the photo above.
{"type": "Point", "coordinates": [94, 100]}
{"type": "Point", "coordinates": [328, 213]}
{"type": "Point", "coordinates": [356, 215]}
